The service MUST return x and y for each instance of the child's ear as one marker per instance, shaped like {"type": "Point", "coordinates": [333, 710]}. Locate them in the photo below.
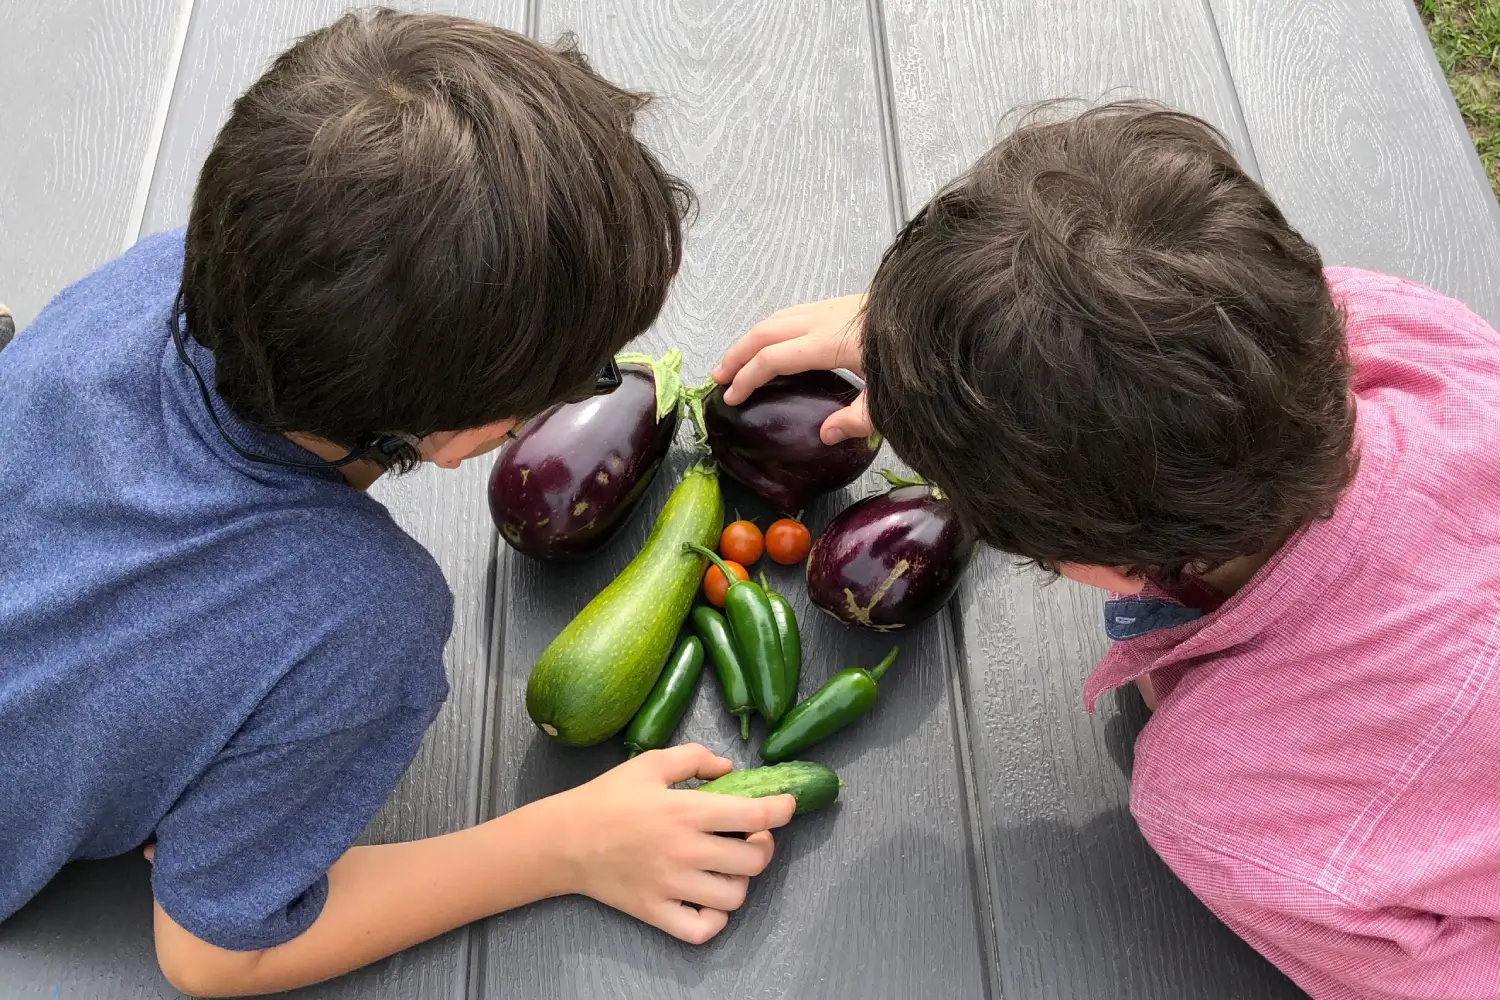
{"type": "Point", "coordinates": [448, 449]}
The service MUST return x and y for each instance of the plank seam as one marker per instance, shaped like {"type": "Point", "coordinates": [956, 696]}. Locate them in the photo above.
{"type": "Point", "coordinates": [885, 95]}
{"type": "Point", "coordinates": [984, 904]}
{"type": "Point", "coordinates": [158, 130]}
{"type": "Point", "coordinates": [1252, 164]}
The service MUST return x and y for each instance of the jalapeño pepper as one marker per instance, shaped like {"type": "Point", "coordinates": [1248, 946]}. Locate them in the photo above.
{"type": "Point", "coordinates": [664, 707]}
{"type": "Point", "coordinates": [791, 639]}
{"type": "Point", "coordinates": [846, 696]}
{"type": "Point", "coordinates": [711, 627]}
{"type": "Point", "coordinates": [755, 636]}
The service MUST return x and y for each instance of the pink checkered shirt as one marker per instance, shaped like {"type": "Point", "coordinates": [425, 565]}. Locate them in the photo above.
{"type": "Point", "coordinates": [1323, 766]}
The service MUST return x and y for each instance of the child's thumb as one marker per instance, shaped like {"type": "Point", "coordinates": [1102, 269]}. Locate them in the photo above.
{"type": "Point", "coordinates": [850, 422]}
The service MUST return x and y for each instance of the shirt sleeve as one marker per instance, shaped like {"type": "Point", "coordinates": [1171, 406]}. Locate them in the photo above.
{"type": "Point", "coordinates": [1333, 947]}
{"type": "Point", "coordinates": [242, 858]}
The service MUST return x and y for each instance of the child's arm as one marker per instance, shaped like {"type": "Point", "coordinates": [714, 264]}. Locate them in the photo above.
{"type": "Point", "coordinates": [802, 338]}
{"type": "Point", "coordinates": [626, 838]}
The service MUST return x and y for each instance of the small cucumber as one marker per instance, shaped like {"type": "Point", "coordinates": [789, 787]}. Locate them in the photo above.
{"type": "Point", "coordinates": [812, 785]}
{"type": "Point", "coordinates": [598, 671]}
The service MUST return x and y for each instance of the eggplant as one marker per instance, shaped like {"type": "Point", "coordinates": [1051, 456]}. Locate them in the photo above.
{"type": "Point", "coordinates": [890, 560]}
{"type": "Point", "coordinates": [770, 441]}
{"type": "Point", "coordinates": [571, 477]}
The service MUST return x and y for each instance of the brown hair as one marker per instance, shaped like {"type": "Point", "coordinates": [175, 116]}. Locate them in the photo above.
{"type": "Point", "coordinates": [1109, 347]}
{"type": "Point", "coordinates": [414, 223]}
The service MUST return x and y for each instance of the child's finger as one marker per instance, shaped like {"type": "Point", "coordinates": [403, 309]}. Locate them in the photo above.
{"type": "Point", "coordinates": [733, 814]}
{"type": "Point", "coordinates": [761, 335]}
{"type": "Point", "coordinates": [717, 892]}
{"type": "Point", "coordinates": [852, 421]}
{"type": "Point", "coordinates": [689, 760]}
{"type": "Point", "coordinates": [799, 354]}
{"type": "Point", "coordinates": [730, 856]}
{"type": "Point", "coordinates": [694, 926]}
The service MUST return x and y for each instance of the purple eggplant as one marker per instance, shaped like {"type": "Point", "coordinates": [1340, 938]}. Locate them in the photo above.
{"type": "Point", "coordinates": [568, 482]}
{"type": "Point", "coordinates": [770, 441]}
{"type": "Point", "coordinates": [890, 560]}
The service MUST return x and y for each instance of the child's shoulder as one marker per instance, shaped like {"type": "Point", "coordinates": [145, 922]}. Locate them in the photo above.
{"type": "Point", "coordinates": [1379, 307]}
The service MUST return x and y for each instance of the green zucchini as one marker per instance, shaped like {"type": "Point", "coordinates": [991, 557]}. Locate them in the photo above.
{"type": "Point", "coordinates": [595, 675]}
{"type": "Point", "coordinates": [812, 785]}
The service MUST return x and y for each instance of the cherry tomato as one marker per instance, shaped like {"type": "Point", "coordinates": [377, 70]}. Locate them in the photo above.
{"type": "Point", "coordinates": [715, 586]}
{"type": "Point", "coordinates": [787, 541]}
{"type": "Point", "coordinates": [742, 542]}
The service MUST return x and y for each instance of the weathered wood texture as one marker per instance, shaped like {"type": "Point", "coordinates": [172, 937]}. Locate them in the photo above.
{"type": "Point", "coordinates": [80, 85]}
{"type": "Point", "coordinates": [1358, 138]}
{"type": "Point", "coordinates": [1081, 906]}
{"type": "Point", "coordinates": [773, 116]}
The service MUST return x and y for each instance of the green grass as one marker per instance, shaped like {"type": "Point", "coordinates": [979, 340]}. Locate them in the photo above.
{"type": "Point", "coordinates": [1466, 36]}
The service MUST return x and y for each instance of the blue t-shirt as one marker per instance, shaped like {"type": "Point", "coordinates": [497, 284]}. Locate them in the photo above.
{"type": "Point", "coordinates": [237, 658]}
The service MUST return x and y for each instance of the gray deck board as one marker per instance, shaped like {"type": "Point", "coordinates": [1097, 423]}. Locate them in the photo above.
{"type": "Point", "coordinates": [1082, 907]}
{"type": "Point", "coordinates": [80, 85]}
{"type": "Point", "coordinates": [1359, 140]}
{"type": "Point", "coordinates": [773, 116]}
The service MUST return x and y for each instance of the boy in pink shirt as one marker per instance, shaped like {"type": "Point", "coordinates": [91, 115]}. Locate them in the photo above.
{"type": "Point", "coordinates": [1109, 348]}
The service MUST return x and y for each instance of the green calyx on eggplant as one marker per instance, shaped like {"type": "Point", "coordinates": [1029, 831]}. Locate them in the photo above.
{"type": "Point", "coordinates": [572, 476]}
{"type": "Point", "coordinates": [890, 560]}
{"type": "Point", "coordinates": [770, 442]}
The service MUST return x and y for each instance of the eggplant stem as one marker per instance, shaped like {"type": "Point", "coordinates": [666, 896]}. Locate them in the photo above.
{"type": "Point", "coordinates": [693, 399]}
{"type": "Point", "coordinates": [897, 479]}
{"type": "Point", "coordinates": [878, 671]}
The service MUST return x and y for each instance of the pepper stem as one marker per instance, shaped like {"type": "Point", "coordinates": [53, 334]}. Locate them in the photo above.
{"type": "Point", "coordinates": [729, 575]}
{"type": "Point", "coordinates": [878, 671]}
{"type": "Point", "coordinates": [745, 726]}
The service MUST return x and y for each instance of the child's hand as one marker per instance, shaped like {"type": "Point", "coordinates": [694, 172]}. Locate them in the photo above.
{"type": "Point", "coordinates": [648, 849]}
{"type": "Point", "coordinates": [817, 335]}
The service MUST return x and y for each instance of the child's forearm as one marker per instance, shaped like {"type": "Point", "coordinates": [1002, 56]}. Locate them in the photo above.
{"type": "Point", "coordinates": [382, 899]}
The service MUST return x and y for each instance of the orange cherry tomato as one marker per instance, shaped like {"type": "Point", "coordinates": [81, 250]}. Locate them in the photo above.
{"type": "Point", "coordinates": [787, 541]}
{"type": "Point", "coordinates": [715, 586]}
{"type": "Point", "coordinates": [742, 542]}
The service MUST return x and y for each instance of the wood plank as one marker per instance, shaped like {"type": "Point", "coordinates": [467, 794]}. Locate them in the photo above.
{"type": "Point", "coordinates": [82, 83]}
{"type": "Point", "coordinates": [229, 43]}
{"type": "Point", "coordinates": [1359, 140]}
{"type": "Point", "coordinates": [772, 113]}
{"type": "Point", "coordinates": [1082, 908]}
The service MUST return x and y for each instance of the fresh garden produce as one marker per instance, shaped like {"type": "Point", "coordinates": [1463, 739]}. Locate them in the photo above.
{"type": "Point", "coordinates": [787, 541]}
{"type": "Point", "coordinates": [770, 441]}
{"type": "Point", "coordinates": [753, 626]}
{"type": "Point", "coordinates": [846, 696]}
{"type": "Point", "coordinates": [742, 542]}
{"type": "Point", "coordinates": [656, 720]}
{"type": "Point", "coordinates": [890, 560]}
{"type": "Point", "coordinates": [791, 638]}
{"type": "Point", "coordinates": [571, 477]}
{"type": "Point", "coordinates": [594, 676]}
{"type": "Point", "coordinates": [812, 785]}
{"type": "Point", "coordinates": [716, 586]}
{"type": "Point", "coordinates": [712, 628]}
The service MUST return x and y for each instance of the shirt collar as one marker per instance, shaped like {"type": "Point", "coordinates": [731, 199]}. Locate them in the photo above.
{"type": "Point", "coordinates": [1294, 578]}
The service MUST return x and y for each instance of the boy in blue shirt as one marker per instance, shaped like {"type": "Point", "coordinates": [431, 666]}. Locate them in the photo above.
{"type": "Point", "coordinates": [412, 231]}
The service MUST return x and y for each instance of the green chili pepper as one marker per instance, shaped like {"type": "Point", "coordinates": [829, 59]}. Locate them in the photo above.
{"type": "Point", "coordinates": [791, 639]}
{"type": "Point", "coordinates": [668, 701]}
{"type": "Point", "coordinates": [846, 696]}
{"type": "Point", "coordinates": [711, 627]}
{"type": "Point", "coordinates": [755, 636]}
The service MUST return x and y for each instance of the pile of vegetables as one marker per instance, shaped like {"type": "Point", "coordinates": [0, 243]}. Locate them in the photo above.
{"type": "Point", "coordinates": [632, 659]}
